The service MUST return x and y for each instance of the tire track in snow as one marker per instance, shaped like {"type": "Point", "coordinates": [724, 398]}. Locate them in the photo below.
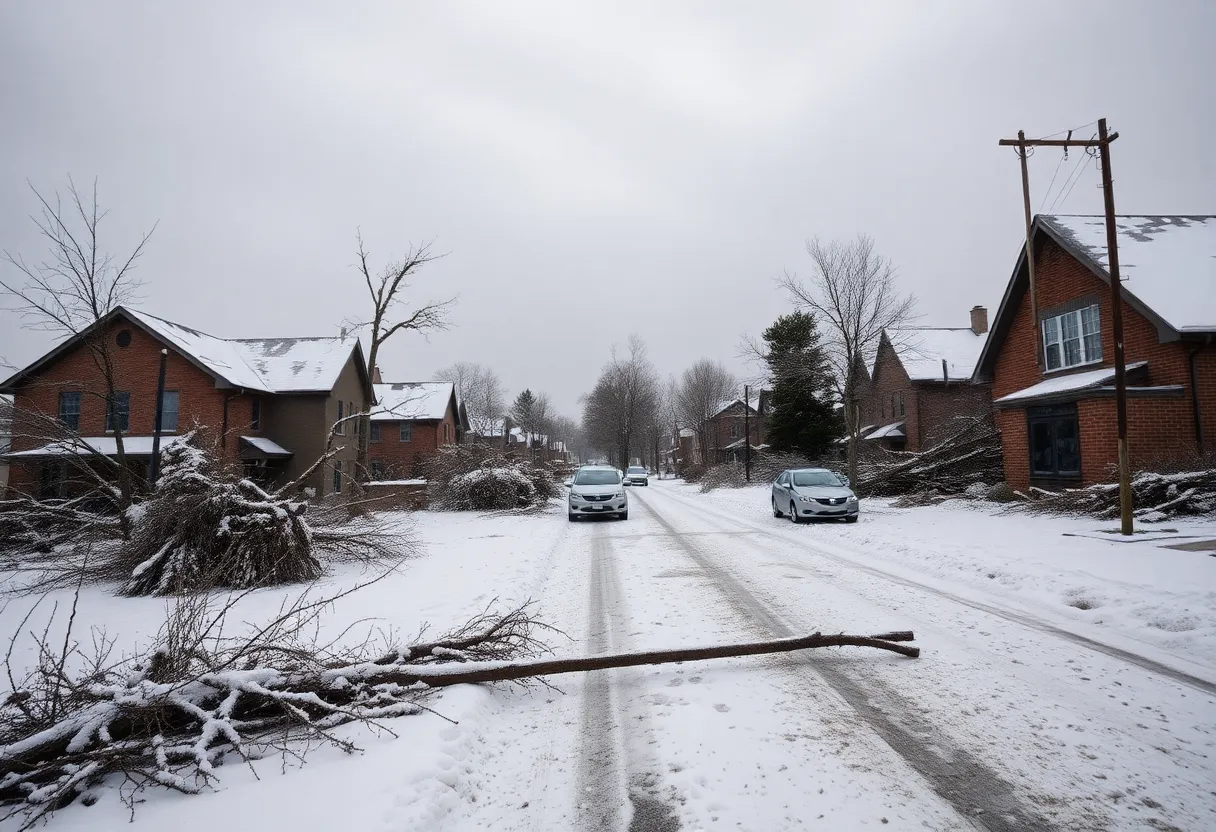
{"type": "Point", "coordinates": [1127, 657]}
{"type": "Point", "coordinates": [977, 792]}
{"type": "Point", "coordinates": [608, 779]}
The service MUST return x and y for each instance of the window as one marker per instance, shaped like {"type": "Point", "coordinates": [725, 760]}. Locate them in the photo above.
{"type": "Point", "coordinates": [597, 476]}
{"type": "Point", "coordinates": [375, 431]}
{"type": "Point", "coordinates": [446, 434]}
{"type": "Point", "coordinates": [734, 431]}
{"type": "Point", "coordinates": [340, 426]}
{"type": "Point", "coordinates": [255, 413]}
{"type": "Point", "coordinates": [377, 469]}
{"type": "Point", "coordinates": [118, 412]}
{"type": "Point", "coordinates": [1055, 447]}
{"type": "Point", "coordinates": [899, 398]}
{"type": "Point", "coordinates": [1073, 338]}
{"type": "Point", "coordinates": [69, 410]}
{"type": "Point", "coordinates": [806, 479]}
{"type": "Point", "coordinates": [407, 432]}
{"type": "Point", "coordinates": [338, 477]}
{"type": "Point", "coordinates": [168, 411]}
{"type": "Point", "coordinates": [51, 480]}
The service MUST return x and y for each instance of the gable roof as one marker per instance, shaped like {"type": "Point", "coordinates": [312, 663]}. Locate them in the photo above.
{"type": "Point", "coordinates": [921, 351]}
{"type": "Point", "coordinates": [728, 404]}
{"type": "Point", "coordinates": [413, 401]}
{"type": "Point", "coordinates": [276, 365]}
{"type": "Point", "coordinates": [1167, 263]}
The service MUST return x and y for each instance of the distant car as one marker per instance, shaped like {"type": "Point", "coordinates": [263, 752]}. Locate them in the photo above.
{"type": "Point", "coordinates": [814, 493]}
{"type": "Point", "coordinates": [597, 489]}
{"type": "Point", "coordinates": [637, 475]}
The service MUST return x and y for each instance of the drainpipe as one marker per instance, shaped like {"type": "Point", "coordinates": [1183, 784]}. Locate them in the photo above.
{"type": "Point", "coordinates": [1195, 411]}
{"type": "Point", "coordinates": [945, 372]}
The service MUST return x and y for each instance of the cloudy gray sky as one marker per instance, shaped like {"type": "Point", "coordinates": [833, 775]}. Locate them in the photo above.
{"type": "Point", "coordinates": [592, 169]}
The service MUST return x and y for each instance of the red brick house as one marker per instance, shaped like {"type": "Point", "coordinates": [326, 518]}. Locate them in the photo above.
{"type": "Point", "coordinates": [725, 430]}
{"type": "Point", "coordinates": [1051, 369]}
{"type": "Point", "coordinates": [267, 404]}
{"type": "Point", "coordinates": [922, 380]}
{"type": "Point", "coordinates": [410, 423]}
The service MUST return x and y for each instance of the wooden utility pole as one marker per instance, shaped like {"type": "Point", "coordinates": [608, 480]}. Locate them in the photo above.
{"type": "Point", "coordinates": [1102, 143]}
{"type": "Point", "coordinates": [1116, 316]}
{"type": "Point", "coordinates": [1034, 301]}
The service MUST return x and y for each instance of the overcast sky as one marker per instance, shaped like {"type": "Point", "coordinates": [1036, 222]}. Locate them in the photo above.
{"type": "Point", "coordinates": [591, 170]}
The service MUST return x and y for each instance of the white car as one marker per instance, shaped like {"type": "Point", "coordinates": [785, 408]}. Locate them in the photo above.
{"type": "Point", "coordinates": [597, 490]}
{"type": "Point", "coordinates": [814, 493]}
{"type": "Point", "coordinates": [637, 475]}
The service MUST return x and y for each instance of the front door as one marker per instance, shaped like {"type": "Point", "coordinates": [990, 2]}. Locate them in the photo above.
{"type": "Point", "coordinates": [1055, 442]}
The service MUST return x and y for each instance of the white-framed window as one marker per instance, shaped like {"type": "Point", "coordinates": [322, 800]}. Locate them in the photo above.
{"type": "Point", "coordinates": [407, 432]}
{"type": "Point", "coordinates": [734, 431]}
{"type": "Point", "coordinates": [168, 411]}
{"type": "Point", "coordinates": [340, 426]}
{"type": "Point", "coordinates": [1072, 339]}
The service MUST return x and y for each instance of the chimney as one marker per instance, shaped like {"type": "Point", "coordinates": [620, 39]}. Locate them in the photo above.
{"type": "Point", "coordinates": [979, 320]}
{"type": "Point", "coordinates": [376, 376]}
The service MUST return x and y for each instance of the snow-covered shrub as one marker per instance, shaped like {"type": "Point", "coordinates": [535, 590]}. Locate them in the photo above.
{"type": "Point", "coordinates": [204, 528]}
{"type": "Point", "coordinates": [480, 478]}
{"type": "Point", "coordinates": [488, 489]}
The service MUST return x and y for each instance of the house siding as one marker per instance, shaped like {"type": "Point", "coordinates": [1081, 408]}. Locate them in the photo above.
{"type": "Point", "coordinates": [1161, 431]}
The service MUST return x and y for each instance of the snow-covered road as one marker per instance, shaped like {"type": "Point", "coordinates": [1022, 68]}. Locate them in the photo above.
{"type": "Point", "coordinates": [1006, 722]}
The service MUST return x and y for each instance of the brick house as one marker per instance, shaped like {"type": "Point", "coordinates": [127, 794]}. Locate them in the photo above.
{"type": "Point", "coordinates": [1051, 369]}
{"type": "Point", "coordinates": [266, 404]}
{"type": "Point", "coordinates": [922, 380]}
{"type": "Point", "coordinates": [410, 423]}
{"type": "Point", "coordinates": [724, 431]}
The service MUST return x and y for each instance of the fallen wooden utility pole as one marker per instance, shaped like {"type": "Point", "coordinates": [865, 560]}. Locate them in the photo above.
{"type": "Point", "coordinates": [471, 673]}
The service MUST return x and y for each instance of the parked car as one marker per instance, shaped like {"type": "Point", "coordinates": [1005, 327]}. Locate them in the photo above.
{"type": "Point", "coordinates": [597, 489]}
{"type": "Point", "coordinates": [814, 493]}
{"type": "Point", "coordinates": [637, 475]}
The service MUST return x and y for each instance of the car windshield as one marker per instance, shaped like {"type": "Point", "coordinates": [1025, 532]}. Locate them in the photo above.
{"type": "Point", "coordinates": [597, 478]}
{"type": "Point", "coordinates": [637, 470]}
{"type": "Point", "coordinates": [806, 478]}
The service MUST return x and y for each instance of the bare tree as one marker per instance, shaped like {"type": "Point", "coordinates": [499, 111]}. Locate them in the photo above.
{"type": "Point", "coordinates": [69, 294]}
{"type": "Point", "coordinates": [391, 313]}
{"type": "Point", "coordinates": [852, 293]}
{"type": "Point", "coordinates": [623, 403]}
{"type": "Point", "coordinates": [481, 391]}
{"type": "Point", "coordinates": [703, 390]}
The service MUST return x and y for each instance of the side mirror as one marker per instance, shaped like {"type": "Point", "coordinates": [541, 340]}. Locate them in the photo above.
{"type": "Point", "coordinates": [626, 482]}
{"type": "Point", "coordinates": [569, 483]}
{"type": "Point", "coordinates": [845, 480]}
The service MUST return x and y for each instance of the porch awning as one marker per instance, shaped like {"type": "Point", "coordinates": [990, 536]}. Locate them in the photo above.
{"type": "Point", "coordinates": [1071, 385]}
{"type": "Point", "coordinates": [895, 430]}
{"type": "Point", "coordinates": [259, 447]}
{"type": "Point", "coordinates": [137, 446]}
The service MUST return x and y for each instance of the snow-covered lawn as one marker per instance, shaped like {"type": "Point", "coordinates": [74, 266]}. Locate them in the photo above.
{"type": "Point", "coordinates": [465, 562]}
{"type": "Point", "coordinates": [1073, 571]}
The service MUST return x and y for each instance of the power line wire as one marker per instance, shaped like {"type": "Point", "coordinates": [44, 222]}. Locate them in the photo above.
{"type": "Point", "coordinates": [1075, 181]}
{"type": "Point", "coordinates": [1047, 192]}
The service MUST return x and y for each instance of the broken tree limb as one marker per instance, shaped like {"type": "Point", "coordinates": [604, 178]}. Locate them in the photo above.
{"type": "Point", "coordinates": [460, 674]}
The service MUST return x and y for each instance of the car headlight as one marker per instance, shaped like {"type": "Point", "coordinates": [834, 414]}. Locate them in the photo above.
{"type": "Point", "coordinates": [806, 499]}
{"type": "Point", "coordinates": [852, 498]}
{"type": "Point", "coordinates": [620, 495]}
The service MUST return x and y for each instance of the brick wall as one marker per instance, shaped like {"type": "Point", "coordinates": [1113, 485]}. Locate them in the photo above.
{"type": "Point", "coordinates": [938, 405]}
{"type": "Point", "coordinates": [719, 430]}
{"type": "Point", "coordinates": [890, 378]}
{"type": "Point", "coordinates": [1160, 430]}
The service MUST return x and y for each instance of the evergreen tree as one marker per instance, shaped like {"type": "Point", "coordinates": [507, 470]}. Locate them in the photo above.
{"type": "Point", "coordinates": [802, 418]}
{"type": "Point", "coordinates": [523, 413]}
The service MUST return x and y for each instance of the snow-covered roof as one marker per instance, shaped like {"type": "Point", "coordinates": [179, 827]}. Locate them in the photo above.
{"type": "Point", "coordinates": [1167, 262]}
{"type": "Point", "coordinates": [1069, 383]}
{"type": "Point", "coordinates": [266, 365]}
{"type": "Point", "coordinates": [224, 358]}
{"type": "Point", "coordinates": [266, 446]}
{"type": "Point", "coordinates": [411, 400]}
{"type": "Point", "coordinates": [895, 430]}
{"type": "Point", "coordinates": [104, 445]}
{"type": "Point", "coordinates": [687, 432]}
{"type": "Point", "coordinates": [921, 350]}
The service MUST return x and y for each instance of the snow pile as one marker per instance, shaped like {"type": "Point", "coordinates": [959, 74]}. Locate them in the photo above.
{"type": "Point", "coordinates": [490, 489]}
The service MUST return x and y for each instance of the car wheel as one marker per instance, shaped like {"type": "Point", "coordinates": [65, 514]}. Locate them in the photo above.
{"type": "Point", "coordinates": [776, 511]}
{"type": "Point", "coordinates": [624, 515]}
{"type": "Point", "coordinates": [794, 514]}
{"type": "Point", "coordinates": [852, 519]}
{"type": "Point", "coordinates": [573, 517]}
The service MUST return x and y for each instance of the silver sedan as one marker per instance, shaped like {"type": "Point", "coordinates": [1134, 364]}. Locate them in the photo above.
{"type": "Point", "coordinates": [813, 493]}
